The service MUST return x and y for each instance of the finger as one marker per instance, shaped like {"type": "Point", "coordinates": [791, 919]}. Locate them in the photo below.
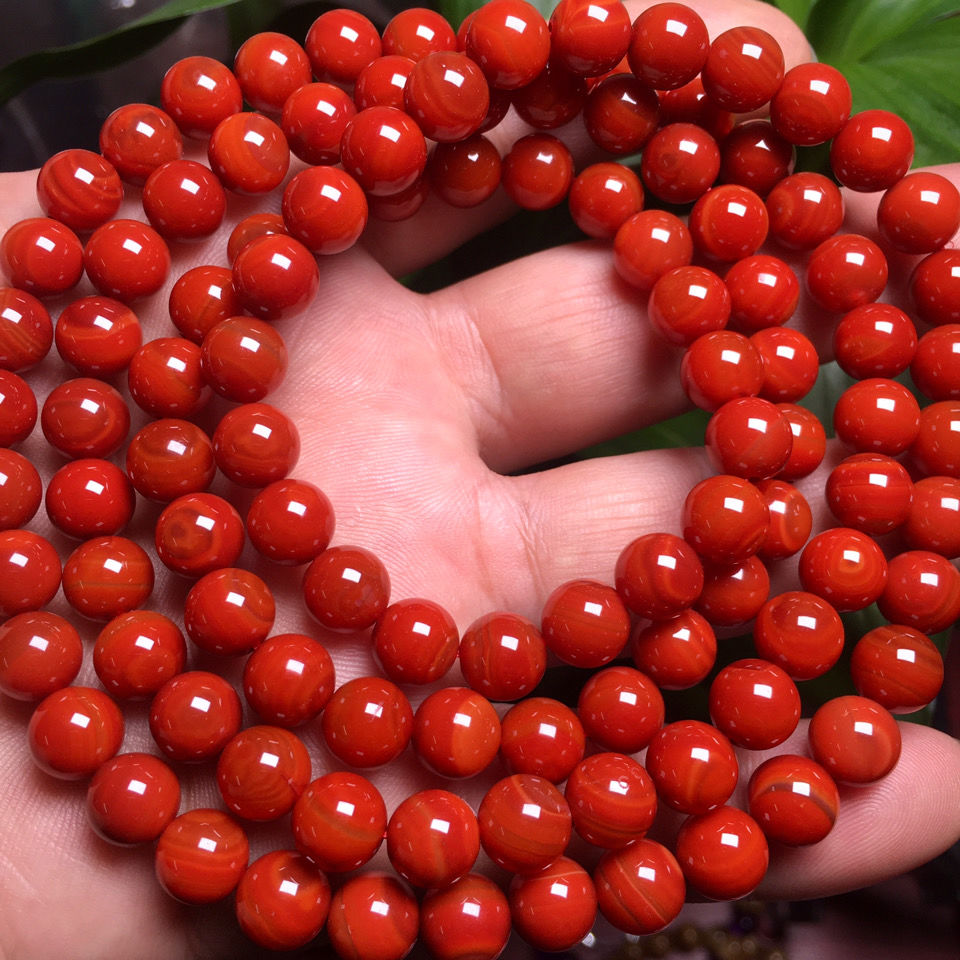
{"type": "Point", "coordinates": [437, 229]}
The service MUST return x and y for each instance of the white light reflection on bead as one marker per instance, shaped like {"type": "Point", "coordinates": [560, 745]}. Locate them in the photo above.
{"type": "Point", "coordinates": [864, 727]}
{"type": "Point", "coordinates": [14, 316]}
{"type": "Point", "coordinates": [812, 196]}
{"type": "Point", "coordinates": [471, 908]}
{"type": "Point", "coordinates": [424, 32]}
{"type": "Point", "coordinates": [820, 86]}
{"type": "Point", "coordinates": [688, 146]}
{"type": "Point", "coordinates": [950, 503]}
{"type": "Point", "coordinates": [807, 622]}
{"type": "Point", "coordinates": [441, 826]}
{"type": "Point", "coordinates": [289, 887]}
{"type": "Point", "coordinates": [372, 709]}
{"type": "Point", "coordinates": [886, 403]}
{"type": "Point", "coordinates": [510, 643]}
{"type": "Point", "coordinates": [548, 730]}
{"type": "Point", "coordinates": [39, 643]}
{"type": "Point", "coordinates": [191, 186]}
{"type": "Point", "coordinates": [257, 139]}
{"type": "Point", "coordinates": [661, 234]}
{"type": "Point", "coordinates": [733, 503]}
{"type": "Point", "coordinates": [559, 889]}
{"type": "Point", "coordinates": [249, 343]}
{"type": "Point", "coordinates": [736, 208]}
{"type": "Point", "coordinates": [763, 690]}
{"type": "Point", "coordinates": [200, 703]}
{"type": "Point", "coordinates": [677, 28]}
{"type": "Point", "coordinates": [325, 107]}
{"type": "Point", "coordinates": [620, 787]}
{"type": "Point", "coordinates": [80, 720]}
{"type": "Point", "coordinates": [423, 629]}
{"type": "Point", "coordinates": [235, 599]}
{"type": "Point", "coordinates": [757, 423]}
{"type": "Point", "coordinates": [137, 786]}
{"type": "Point", "coordinates": [906, 654]}
{"type": "Point", "coordinates": [19, 559]}
{"type": "Point", "coordinates": [647, 873]}
{"type": "Point", "coordinates": [930, 579]}
{"type": "Point", "coordinates": [786, 351]}
{"type": "Point", "coordinates": [104, 323]}
{"type": "Point", "coordinates": [295, 666]}
{"type": "Point", "coordinates": [114, 566]}
{"type": "Point", "coordinates": [346, 808]}
{"type": "Point", "coordinates": [92, 486]}
{"type": "Point", "coordinates": [881, 133]}
{"type": "Point", "coordinates": [349, 34]}
{"type": "Point", "coordinates": [516, 24]}
{"type": "Point", "coordinates": [628, 697]}
{"type": "Point", "coordinates": [546, 158]}
{"type": "Point", "coordinates": [295, 506]}
{"type": "Point", "coordinates": [593, 608]}
{"type": "Point", "coordinates": [767, 279]}
{"type": "Point", "coordinates": [729, 840]}
{"type": "Point", "coordinates": [682, 633]}
{"type": "Point", "coordinates": [700, 753]}
{"type": "Point", "coordinates": [278, 57]}
{"type": "Point", "coordinates": [208, 83]}
{"type": "Point", "coordinates": [175, 363]}
{"type": "Point", "coordinates": [131, 246]}
{"type": "Point", "coordinates": [177, 448]}
{"type": "Point", "coordinates": [802, 788]}
{"type": "Point", "coordinates": [531, 810]}
{"type": "Point", "coordinates": [752, 51]}
{"type": "Point", "coordinates": [857, 259]}
{"type": "Point", "coordinates": [597, 13]}
{"type": "Point", "coordinates": [389, 133]}
{"type": "Point", "coordinates": [330, 192]}
{"type": "Point", "coordinates": [350, 574]}
{"type": "Point", "coordinates": [399, 80]}
{"type": "Point", "coordinates": [379, 907]}
{"type": "Point", "coordinates": [851, 556]}
{"type": "Point", "coordinates": [144, 643]}
{"type": "Point", "coordinates": [697, 290]}
{"type": "Point", "coordinates": [262, 430]}
{"type": "Point", "coordinates": [778, 506]}
{"type": "Point", "coordinates": [279, 260]}
{"type": "Point", "coordinates": [144, 129]}
{"type": "Point", "coordinates": [665, 560]}
{"type": "Point", "coordinates": [89, 406]}
{"type": "Point", "coordinates": [269, 759]}
{"type": "Point", "coordinates": [208, 844]}
{"type": "Point", "coordinates": [462, 720]}
{"type": "Point", "coordinates": [45, 243]}
{"type": "Point", "coordinates": [215, 291]}
{"type": "Point", "coordinates": [877, 479]}
{"type": "Point", "coordinates": [455, 77]}
{"type": "Point", "coordinates": [731, 356]}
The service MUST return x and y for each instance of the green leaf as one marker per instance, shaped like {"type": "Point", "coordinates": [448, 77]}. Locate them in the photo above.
{"type": "Point", "coordinates": [104, 51]}
{"type": "Point", "coordinates": [456, 10]}
{"type": "Point", "coordinates": [797, 10]}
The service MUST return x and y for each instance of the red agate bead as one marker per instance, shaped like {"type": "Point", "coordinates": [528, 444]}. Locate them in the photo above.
{"type": "Point", "coordinates": [733, 593]}
{"type": "Point", "coordinates": [872, 151]}
{"type": "Point", "coordinates": [680, 163]}
{"type": "Point", "coordinates": [503, 656]}
{"type": "Point", "coordinates": [269, 67]}
{"type": "Point", "coordinates": [18, 409]}
{"type": "Point", "coordinates": [668, 45]}
{"type": "Point", "coordinates": [126, 259]}
{"type": "Point", "coordinates": [198, 533]}
{"type": "Point", "coordinates": [537, 172]}
{"type": "Point", "coordinates": [922, 591]}
{"type": "Point", "coordinates": [724, 519]}
{"type": "Point", "coordinates": [325, 209]}
{"type": "Point", "coordinates": [749, 437]}
{"type": "Point", "coordinates": [658, 575]}
{"type": "Point", "coordinates": [743, 70]}
{"type": "Point", "coordinates": [728, 222]}
{"type": "Point", "coordinates": [467, 173]}
{"type": "Point", "coordinates": [249, 228]}
{"type": "Point", "coordinates": [201, 298]}
{"type": "Point", "coordinates": [809, 441]}
{"type": "Point", "coordinates": [920, 213]}
{"type": "Point", "coordinates": [790, 363]}
{"type": "Point", "coordinates": [373, 915]}
{"type": "Point", "coordinates": [719, 366]}
{"type": "Point", "coordinates": [935, 366]}
{"type": "Point", "coordinates": [40, 652]}
{"type": "Point", "coordinates": [137, 652]}
{"type": "Point", "coordinates": [88, 498]}
{"type": "Point", "coordinates": [136, 138]}
{"type": "Point", "coordinates": [243, 359]}
{"type": "Point", "coordinates": [793, 799]}
{"type": "Point", "coordinates": [800, 632]}
{"type": "Point", "coordinates": [755, 156]}
{"type": "Point", "coordinates": [313, 120]}
{"type": "Point", "coordinates": [935, 287]}
{"type": "Point", "coordinates": [20, 489]}
{"type": "Point", "coordinates": [201, 856]}
{"type": "Point", "coordinates": [402, 205]}
{"type": "Point", "coordinates": [932, 523]}
{"type": "Point", "coordinates": [874, 340]}
{"type": "Point", "coordinates": [898, 666]}
{"type": "Point", "coordinates": [621, 114]}
{"type": "Point", "coordinates": [677, 653]}
{"type": "Point", "coordinates": [791, 520]}
{"type": "Point", "coordinates": [456, 732]}
{"type": "Point", "coordinates": [869, 492]}
{"type": "Point", "coordinates": [552, 99]}
{"type": "Point", "coordinates": [690, 104]}
{"type": "Point", "coordinates": [755, 703]}
{"type": "Point", "coordinates": [603, 196]}
{"type": "Point", "coordinates": [510, 41]}
{"type": "Point", "coordinates": [73, 731]}
{"type": "Point", "coordinates": [132, 798]}
{"type": "Point", "coordinates": [856, 739]}
{"type": "Point", "coordinates": [249, 153]}
{"type": "Point", "coordinates": [384, 150]}
{"type": "Point", "coordinates": [649, 244]}
{"type": "Point", "coordinates": [290, 521]}
{"type": "Point", "coordinates": [346, 588]}
{"type": "Point", "coordinates": [194, 715]}
{"type": "Point", "coordinates": [688, 302]}
{"type": "Point", "coordinates": [555, 908]}
{"type": "Point", "coordinates": [877, 416]}
{"type": "Point", "coordinates": [447, 95]}
{"type": "Point", "coordinates": [812, 104]}
{"type": "Point", "coordinates": [844, 567]}
{"type": "Point", "coordinates": [29, 571]}
{"type": "Point", "coordinates": [198, 92]}
{"type": "Point", "coordinates": [763, 292]}
{"type": "Point", "coordinates": [936, 449]}
{"type": "Point", "coordinates": [98, 336]}
{"type": "Point", "coordinates": [26, 332]}
{"type": "Point", "coordinates": [587, 38]}
{"type": "Point", "coordinates": [620, 709]}
{"type": "Point", "coordinates": [340, 43]}
{"type": "Point", "coordinates": [469, 918]}
{"type": "Point", "coordinates": [541, 736]}
{"type": "Point", "coordinates": [107, 576]}
{"type": "Point", "coordinates": [168, 458]}
{"type": "Point", "coordinates": [275, 276]}
{"type": "Point", "coordinates": [367, 722]}
{"type": "Point", "coordinates": [805, 209]}
{"type": "Point", "coordinates": [229, 611]}
{"type": "Point", "coordinates": [42, 256]}
{"type": "Point", "coordinates": [846, 271]}
{"type": "Point", "coordinates": [256, 444]}
{"type": "Point", "coordinates": [339, 821]}
{"type": "Point", "coordinates": [584, 623]}
{"type": "Point", "coordinates": [415, 641]}
{"type": "Point", "coordinates": [184, 200]}
{"type": "Point", "coordinates": [166, 380]}
{"type": "Point", "coordinates": [85, 418]}
{"type": "Point", "coordinates": [416, 33]}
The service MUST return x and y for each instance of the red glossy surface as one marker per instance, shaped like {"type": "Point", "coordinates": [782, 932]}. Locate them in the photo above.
{"type": "Point", "coordinates": [793, 799]}
{"type": "Point", "coordinates": [29, 571]}
{"type": "Point", "coordinates": [373, 916]}
{"type": "Point", "coordinates": [98, 336]}
{"type": "Point", "coordinates": [935, 287]}
{"type": "Point", "coordinates": [201, 856]}
{"type": "Point", "coordinates": [612, 800]}
{"type": "Point", "coordinates": [640, 888]}
{"type": "Point", "coordinates": [754, 703]}
{"type": "Point", "coordinates": [198, 533]}
{"type": "Point", "coordinates": [690, 104]}
{"type": "Point", "coordinates": [256, 444]}
{"type": "Point", "coordinates": [588, 39]}
{"type": "Point", "coordinates": [165, 378]}
{"type": "Point", "coordinates": [875, 340]}
{"type": "Point", "coordinates": [269, 67]}
{"type": "Point", "coordinates": [249, 228]}
{"type": "Point", "coordinates": [877, 416]}
{"type": "Point", "coordinates": [107, 576]}
{"type": "Point", "coordinates": [313, 120]}
{"type": "Point", "coordinates": [935, 366]}
{"type": "Point", "coordinates": [243, 359]}
{"type": "Point", "coordinates": [325, 209]}
{"type": "Point", "coordinates": [89, 498]}
{"type": "Point", "coordinates": [415, 641]}
{"type": "Point", "coordinates": [844, 567]}
{"type": "Point", "coordinates": [936, 449]}
{"type": "Point", "coordinates": [402, 205]}
{"type": "Point", "coordinates": [468, 919]}
{"type": "Point", "coordinates": [417, 32]}
{"type": "Point", "coordinates": [381, 83]}
{"type": "Point", "coordinates": [733, 593]}
{"type": "Point", "coordinates": [805, 209]}
{"type": "Point", "coordinates": [722, 853]}
{"type": "Point", "coordinates": [658, 575]}
{"type": "Point", "coordinates": [137, 652]}
{"type": "Point", "coordinates": [677, 653]}
{"type": "Point", "coordinates": [41, 256]}
{"type": "Point", "coordinates": [542, 736]}
{"type": "Point", "coordinates": [40, 652]}
{"type": "Point", "coordinates": [897, 666]}
{"type": "Point", "coordinates": [718, 367]}
{"type": "Point", "coordinates": [693, 766]}
{"type": "Point", "coordinates": [201, 298]}
{"type": "Point", "coordinates": [555, 908]}
{"type": "Point", "coordinates": [620, 709]}
{"type": "Point", "coordinates": [846, 271]}
{"type": "Point", "coordinates": [812, 104]}
{"type": "Point", "coordinates": [275, 276]}
{"type": "Point", "coordinates": [869, 492]}
{"type": "Point", "coordinates": [367, 722]}
{"type": "Point", "coordinates": [680, 163]}
{"type": "Point", "coordinates": [621, 114]}
{"type": "Point", "coordinates": [282, 900]}
{"type": "Point", "coordinates": [537, 171]}
{"type": "Point", "coordinates": [132, 798]}
{"type": "Point", "coordinates": [249, 153]}
{"type": "Point", "coordinates": [922, 591]}
{"type": "Point", "coordinates": [290, 521]}
{"type": "Point", "coordinates": [603, 196]}
{"type": "Point", "coordinates": [585, 623]}
{"type": "Point", "coordinates": [790, 363]}
{"type": "Point", "coordinates": [85, 418]}
{"type": "Point", "coordinates": [20, 489]}
{"type": "Point", "coordinates": [552, 99]}
{"type": "Point", "coordinates": [791, 520]}
{"type": "Point", "coordinates": [18, 409]}
{"type": "Point", "coordinates": [346, 588]}
{"type": "Point", "coordinates": [73, 731]}
{"type": "Point", "coordinates": [809, 441]}
{"type": "Point", "coordinates": [688, 302]}
{"type": "Point", "coordinates": [137, 137]}
{"type": "Point", "coordinates": [743, 70]}
{"type": "Point", "coordinates": [932, 523]}
{"type": "Point", "coordinates": [649, 244]}
{"type": "Point", "coordinates": [25, 329]}
{"type": "Point", "coordinates": [728, 222]}
{"type": "Point", "coordinates": [262, 771]}
{"type": "Point", "coordinates": [763, 292]}
{"type": "Point", "coordinates": [168, 458]}
{"type": "Point", "coordinates": [199, 92]}
{"type": "Point", "coordinates": [754, 155]}
{"type": "Point", "coordinates": [447, 95]}
{"type": "Point", "coordinates": [126, 259]}
{"type": "Point", "coordinates": [872, 151]}
{"type": "Point", "coordinates": [184, 200]}
{"type": "Point", "coordinates": [383, 150]}
{"type": "Point", "coordinates": [510, 41]}
{"type": "Point", "coordinates": [856, 739]}
{"type": "Point", "coordinates": [229, 611]}
{"type": "Point", "coordinates": [749, 437]}
{"type": "Point", "coordinates": [503, 656]}
{"type": "Point", "coordinates": [724, 519]}
{"type": "Point", "coordinates": [340, 43]}
{"type": "Point", "coordinates": [194, 715]}
{"type": "Point", "coordinates": [919, 213]}
{"type": "Point", "coordinates": [668, 45]}
{"type": "Point", "coordinates": [456, 732]}
{"type": "Point", "coordinates": [465, 174]}
{"type": "Point", "coordinates": [339, 821]}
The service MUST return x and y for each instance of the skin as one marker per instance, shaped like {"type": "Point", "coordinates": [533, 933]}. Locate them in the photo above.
{"type": "Point", "coordinates": [411, 409]}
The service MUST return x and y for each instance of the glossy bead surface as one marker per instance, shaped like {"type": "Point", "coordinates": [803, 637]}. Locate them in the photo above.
{"type": "Point", "coordinates": [85, 418]}
{"type": "Point", "coordinates": [340, 43]}
{"type": "Point", "coordinates": [936, 449]}
{"type": "Point", "coordinates": [640, 888]}
{"type": "Point", "coordinates": [855, 739]}
{"type": "Point", "coordinates": [269, 67]}
{"type": "Point", "coordinates": [275, 276]}
{"type": "Point", "coordinates": [621, 114]}
{"type": "Point", "coordinates": [137, 652]}
{"type": "Point", "coordinates": [416, 33]}
{"type": "Point", "coordinates": [374, 916]}
{"type": "Point", "coordinates": [98, 336]}
{"type": "Point", "coordinates": [25, 329]}
{"type": "Point", "coordinates": [869, 492]}
{"type": "Point", "coordinates": [809, 442]}
{"type": "Point", "coordinates": [845, 567]}
{"type": "Point", "coordinates": [198, 92]}
{"type": "Point", "coordinates": [793, 799]}
{"type": "Point", "coordinates": [620, 709]}
{"type": "Point", "coordinates": [922, 590]}
{"type": "Point", "coordinates": [897, 666]}
{"type": "Point", "coordinates": [805, 209]}
{"type": "Point", "coordinates": [537, 172]}
{"type": "Point", "coordinates": [243, 359]}
{"type": "Point", "coordinates": [935, 366]}
{"type": "Point", "coordinates": [603, 196]}
{"type": "Point", "coordinates": [313, 120]}
{"type": "Point", "coordinates": [690, 104]}
{"type": "Point", "coordinates": [749, 437]}
{"type": "Point", "coordinates": [932, 523]}
{"type": "Point", "coordinates": [743, 70]}
{"type": "Point", "coordinates": [763, 292]}
{"type": "Point", "coordinates": [754, 155]}
{"type": "Point", "coordinates": [791, 520]}
{"type": "Point", "coordinates": [877, 416]}
{"type": "Point", "coordinates": [339, 821]}
{"type": "Point", "coordinates": [589, 39]}
{"type": "Point", "coordinates": [503, 656]}
{"type": "Point", "coordinates": [89, 498]}
{"type": "Point", "coordinates": [166, 380]}
{"type": "Point", "coordinates": [875, 340]}
{"type": "Point", "coordinates": [677, 653]}
{"type": "Point", "coordinates": [18, 409]}
{"type": "Point", "coordinates": [40, 652]}
{"type": "Point", "coordinates": [184, 200]}
{"type": "Point", "coordinates": [755, 703]}
{"type": "Point", "coordinates": [723, 853]}
{"type": "Point", "coordinates": [719, 366]}
{"type": "Point", "coordinates": [693, 766]}
{"type": "Point", "coordinates": [132, 798]}
{"type": "Point", "coordinates": [467, 173]}
{"type": "Point", "coordinates": [555, 908]}
{"type": "Point", "coordinates": [724, 519]}
{"type": "Point", "coordinates": [194, 715]}
{"type": "Point", "coordinates": [510, 41]}
{"type": "Point", "coordinates": [728, 222]}
{"type": "Point", "coordinates": [290, 521]}
{"type": "Point", "coordinates": [552, 99]}
{"type": "Point", "coordinates": [799, 632]}
{"type": "Point", "coordinates": [812, 104]}
{"type": "Point", "coordinates": [447, 95]}
{"type": "Point", "coordinates": [668, 45]}
{"type": "Point", "coordinates": [920, 213]}
{"type": "Point", "coordinates": [525, 823]}
{"type": "Point", "coordinates": [680, 163]}
{"type": "Point", "coordinates": [383, 150]}
{"type": "Point", "coordinates": [249, 228]}
{"type": "Point", "coordinates": [872, 151]}
{"type": "Point", "coordinates": [198, 533]}
{"type": "Point", "coordinates": [541, 736]}
{"type": "Point", "coordinates": [733, 593]}
{"type": "Point", "coordinates": [658, 575]}
{"type": "Point", "coordinates": [249, 153]}
{"type": "Point", "coordinates": [107, 576]}
{"type": "Point", "coordinates": [201, 298]}
{"type": "Point", "coordinates": [41, 256]}
{"type": "Point", "coordinates": [73, 731]}
{"type": "Point", "coordinates": [346, 588]}
{"type": "Point", "coordinates": [468, 919]}
{"type": "Point", "coordinates": [584, 623]}
{"type": "Point", "coordinates": [136, 138]}
{"type": "Point", "coordinates": [456, 732]}
{"type": "Point", "coordinates": [325, 209]}
{"type": "Point", "coordinates": [168, 458]}
{"type": "Point", "coordinates": [649, 244]}
{"type": "Point", "coordinates": [612, 800]}
{"type": "Point", "coordinates": [367, 722]}
{"type": "Point", "coordinates": [256, 444]}
{"type": "Point", "coordinates": [846, 271]}
{"type": "Point", "coordinates": [790, 363]}
{"type": "Point", "coordinates": [29, 571]}
{"type": "Point", "coordinates": [935, 287]}
{"type": "Point", "coordinates": [201, 856]}
{"type": "Point", "coordinates": [415, 641]}
{"type": "Point", "coordinates": [20, 489]}
{"type": "Point", "coordinates": [688, 302]}
{"type": "Point", "coordinates": [229, 611]}
{"type": "Point", "coordinates": [126, 259]}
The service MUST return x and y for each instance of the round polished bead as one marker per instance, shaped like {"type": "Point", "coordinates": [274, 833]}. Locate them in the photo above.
{"type": "Point", "coordinates": [680, 163]}
{"type": "Point", "coordinates": [749, 437]}
{"type": "Point", "coordinates": [18, 409]}
{"type": "Point", "coordinates": [132, 798]}
{"type": "Point", "coordinates": [26, 332]}
{"type": "Point", "coordinates": [922, 591]}
{"type": "Point", "coordinates": [733, 593]}
{"type": "Point", "coordinates": [543, 737]}
{"type": "Point", "coordinates": [137, 138]}
{"type": "Point", "coordinates": [447, 95]}
{"type": "Point", "coordinates": [875, 340]}
{"type": "Point", "coordinates": [724, 519]}
{"type": "Point", "coordinates": [290, 521]}
{"type": "Point", "coordinates": [256, 444]}
{"type": "Point", "coordinates": [73, 731]}
{"type": "Point", "coordinates": [168, 458]}
{"type": "Point", "coordinates": [855, 739]}
{"type": "Point", "coordinates": [812, 104]}
{"type": "Point", "coordinates": [693, 766]}
{"type": "Point", "coordinates": [552, 99]}
{"type": "Point", "coordinates": [677, 653]}
{"type": "Point", "coordinates": [555, 908]}
{"type": "Point", "coordinates": [799, 632]}
{"type": "Point", "coordinates": [936, 449]}
{"type": "Point", "coordinates": [588, 39]}
{"type": "Point", "coordinates": [525, 823]}
{"type": "Point", "coordinates": [269, 67]}
{"type": "Point", "coordinates": [728, 222]}
{"type": "Point", "coordinates": [585, 623]}
{"type": "Point", "coordinates": [621, 114]}
{"type": "Point", "coordinates": [743, 70]}
{"type": "Point", "coordinates": [755, 703]}
{"type": "Point", "coordinates": [790, 363]}
{"type": "Point", "coordinates": [844, 567]}
{"type": "Point", "coordinates": [720, 366]}
{"type": "Point", "coordinates": [340, 43]}
{"type": "Point", "coordinates": [805, 209]}
{"type": "Point", "coordinates": [897, 666]}
{"type": "Point", "coordinates": [166, 380]}
{"type": "Point", "coordinates": [248, 229]}
{"type": "Point", "coordinates": [402, 205]}
{"type": "Point", "coordinates": [229, 611]}
{"type": "Point", "coordinates": [935, 287]}
{"type": "Point", "coordinates": [640, 888]}
{"type": "Point", "coordinates": [373, 916]}
{"type": "Point", "coordinates": [467, 173]}
{"type": "Point", "coordinates": [415, 641]}
{"type": "Point", "coordinates": [920, 213]}
{"type": "Point", "coordinates": [194, 715]}
{"type": "Point", "coordinates": [107, 576]}
{"type": "Point", "coordinates": [846, 271]}
{"type": "Point", "coordinates": [603, 196]}
{"type": "Point", "coordinates": [456, 732]}
{"type": "Point", "coordinates": [198, 533]}
{"type": "Point", "coordinates": [809, 441]}
{"type": "Point", "coordinates": [367, 722]}
{"type": "Point", "coordinates": [41, 256]}
{"type": "Point", "coordinates": [433, 838]}
{"type": "Point", "coordinates": [40, 652]}
{"type": "Point", "coordinates": [137, 652]}
{"type": "Point", "coordinates": [510, 41]}
{"type": "Point", "coordinates": [649, 244]}
{"type": "Point", "coordinates": [416, 33]}
{"type": "Point", "coordinates": [243, 359]}
{"type": "Point", "coordinates": [935, 366]}
{"type": "Point", "coordinates": [201, 298]}
{"type": "Point", "coordinates": [668, 45]}
{"type": "Point", "coordinates": [126, 259]}
{"type": "Point", "coordinates": [688, 302]}
{"type": "Point", "coordinates": [932, 523]}
{"type": "Point", "coordinates": [29, 571]}
{"type": "Point", "coordinates": [339, 821]}
{"type": "Point", "coordinates": [612, 800]}
{"type": "Point", "coordinates": [877, 416]}
{"type": "Point", "coordinates": [658, 575]}
{"type": "Point", "coordinates": [384, 150]}
{"type": "Point", "coordinates": [620, 709]}
{"type": "Point", "coordinates": [537, 171]}
{"type": "Point", "coordinates": [723, 853]}
{"type": "Point", "coordinates": [98, 336]}
{"type": "Point", "coordinates": [282, 900]}
{"type": "Point", "coordinates": [754, 155]}
{"type": "Point", "coordinates": [763, 292]}
{"type": "Point", "coordinates": [20, 489]}
{"type": "Point", "coordinates": [872, 151]}
{"type": "Point", "coordinates": [313, 120]}
{"type": "Point", "coordinates": [690, 104]}
{"type": "Point", "coordinates": [793, 799]}
{"type": "Point", "coordinates": [184, 200]}
{"type": "Point", "coordinates": [869, 492]}
{"type": "Point", "coordinates": [85, 418]}
{"type": "Point", "coordinates": [325, 209]}
{"type": "Point", "coordinates": [468, 919]}
{"type": "Point", "coordinates": [346, 588]}
{"type": "Point", "coordinates": [198, 92]}
{"type": "Point", "coordinates": [249, 153]}
{"type": "Point", "coordinates": [275, 276]}
{"type": "Point", "coordinates": [89, 498]}
{"type": "Point", "coordinates": [503, 656]}
{"type": "Point", "coordinates": [201, 856]}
